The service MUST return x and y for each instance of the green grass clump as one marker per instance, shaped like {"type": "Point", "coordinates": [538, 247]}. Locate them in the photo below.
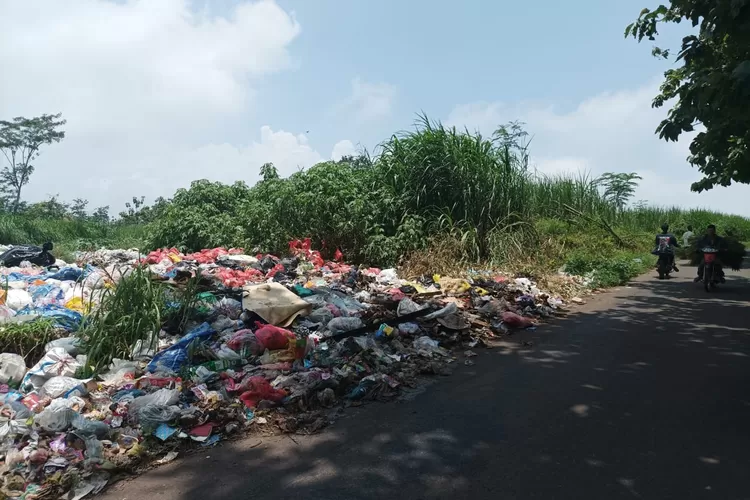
{"type": "Point", "coordinates": [130, 311]}
{"type": "Point", "coordinates": [135, 309]}
{"type": "Point", "coordinates": [28, 338]}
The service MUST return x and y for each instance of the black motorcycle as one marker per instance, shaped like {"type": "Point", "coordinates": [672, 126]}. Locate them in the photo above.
{"type": "Point", "coordinates": [664, 265]}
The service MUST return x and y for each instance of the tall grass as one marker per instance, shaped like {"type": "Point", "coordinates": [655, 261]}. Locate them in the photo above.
{"type": "Point", "coordinates": [69, 235]}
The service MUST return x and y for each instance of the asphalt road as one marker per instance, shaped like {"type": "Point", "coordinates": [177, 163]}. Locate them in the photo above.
{"type": "Point", "coordinates": [644, 392]}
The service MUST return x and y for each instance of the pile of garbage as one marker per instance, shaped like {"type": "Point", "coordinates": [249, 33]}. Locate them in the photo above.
{"type": "Point", "coordinates": [274, 345]}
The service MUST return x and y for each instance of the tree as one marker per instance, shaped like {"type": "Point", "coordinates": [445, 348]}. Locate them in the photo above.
{"type": "Point", "coordinates": [20, 140]}
{"type": "Point", "coordinates": [52, 208]}
{"type": "Point", "coordinates": [711, 88]}
{"type": "Point", "coordinates": [514, 141]}
{"type": "Point", "coordinates": [132, 209]}
{"type": "Point", "coordinates": [78, 208]}
{"type": "Point", "coordinates": [269, 172]}
{"type": "Point", "coordinates": [137, 212]}
{"type": "Point", "coordinates": [619, 188]}
{"type": "Point", "coordinates": [101, 214]}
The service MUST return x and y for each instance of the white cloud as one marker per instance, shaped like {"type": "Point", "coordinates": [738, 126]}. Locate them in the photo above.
{"type": "Point", "coordinates": [142, 83]}
{"type": "Point", "coordinates": [610, 132]}
{"type": "Point", "coordinates": [368, 101]}
{"type": "Point", "coordinates": [343, 148]}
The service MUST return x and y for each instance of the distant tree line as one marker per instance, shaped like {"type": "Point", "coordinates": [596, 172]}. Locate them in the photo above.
{"type": "Point", "coordinates": [21, 141]}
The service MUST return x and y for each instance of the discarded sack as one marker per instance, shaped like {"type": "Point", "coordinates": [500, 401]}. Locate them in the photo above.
{"type": "Point", "coordinates": [274, 303]}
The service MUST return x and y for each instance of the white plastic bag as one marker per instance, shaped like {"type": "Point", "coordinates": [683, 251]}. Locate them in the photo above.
{"type": "Point", "coordinates": [70, 344]}
{"type": "Point", "coordinates": [64, 386]}
{"type": "Point", "coordinates": [55, 418]}
{"type": "Point", "coordinates": [12, 368]}
{"type": "Point", "coordinates": [56, 362]}
{"type": "Point", "coordinates": [18, 299]}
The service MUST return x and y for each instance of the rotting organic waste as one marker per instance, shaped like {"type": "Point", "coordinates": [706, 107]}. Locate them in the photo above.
{"type": "Point", "coordinates": [273, 345]}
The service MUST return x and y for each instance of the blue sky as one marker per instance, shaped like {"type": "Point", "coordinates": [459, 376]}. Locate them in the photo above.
{"type": "Point", "coordinates": [161, 92]}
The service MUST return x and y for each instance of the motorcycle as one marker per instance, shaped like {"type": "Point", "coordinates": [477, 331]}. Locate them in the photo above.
{"type": "Point", "coordinates": [711, 268]}
{"type": "Point", "coordinates": [664, 265]}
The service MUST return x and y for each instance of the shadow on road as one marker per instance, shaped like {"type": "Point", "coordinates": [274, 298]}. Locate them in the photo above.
{"type": "Point", "coordinates": [641, 394]}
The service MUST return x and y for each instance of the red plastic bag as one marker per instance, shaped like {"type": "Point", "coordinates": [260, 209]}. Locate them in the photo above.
{"type": "Point", "coordinates": [272, 337]}
{"type": "Point", "coordinates": [207, 255]}
{"type": "Point", "coordinates": [338, 256]}
{"type": "Point", "coordinates": [234, 278]}
{"type": "Point", "coordinates": [513, 320]}
{"type": "Point", "coordinates": [276, 269]}
{"type": "Point", "coordinates": [258, 389]}
{"type": "Point", "coordinates": [244, 342]}
{"type": "Point", "coordinates": [159, 255]}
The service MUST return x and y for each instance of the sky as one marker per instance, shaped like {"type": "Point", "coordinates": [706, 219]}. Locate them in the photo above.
{"type": "Point", "coordinates": [158, 93]}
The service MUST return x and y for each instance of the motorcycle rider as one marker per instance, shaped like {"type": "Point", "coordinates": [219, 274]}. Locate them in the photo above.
{"type": "Point", "coordinates": [711, 240]}
{"type": "Point", "coordinates": [665, 243]}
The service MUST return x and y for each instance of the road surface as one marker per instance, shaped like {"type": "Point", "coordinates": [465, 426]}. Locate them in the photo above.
{"type": "Point", "coordinates": [643, 393]}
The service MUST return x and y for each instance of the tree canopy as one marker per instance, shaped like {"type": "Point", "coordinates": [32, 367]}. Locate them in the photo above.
{"type": "Point", "coordinates": [711, 87]}
{"type": "Point", "coordinates": [20, 140]}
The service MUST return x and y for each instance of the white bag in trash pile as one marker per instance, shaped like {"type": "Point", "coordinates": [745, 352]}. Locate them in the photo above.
{"type": "Point", "coordinates": [18, 299]}
{"type": "Point", "coordinates": [12, 368]}
{"type": "Point", "coordinates": [56, 362]}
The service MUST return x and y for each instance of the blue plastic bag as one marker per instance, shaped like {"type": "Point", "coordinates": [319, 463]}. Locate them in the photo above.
{"type": "Point", "coordinates": [174, 357]}
{"type": "Point", "coordinates": [46, 293]}
{"type": "Point", "coordinates": [67, 274]}
{"type": "Point", "coordinates": [63, 317]}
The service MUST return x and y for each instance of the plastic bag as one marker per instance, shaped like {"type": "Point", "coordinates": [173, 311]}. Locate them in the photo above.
{"type": "Point", "coordinates": [71, 345]}
{"type": "Point", "coordinates": [55, 418]}
{"type": "Point", "coordinates": [225, 353]}
{"type": "Point", "coordinates": [94, 448]}
{"type": "Point", "coordinates": [68, 273]}
{"type": "Point", "coordinates": [173, 358]}
{"type": "Point", "coordinates": [89, 428]}
{"type": "Point", "coordinates": [77, 304]}
{"type": "Point", "coordinates": [17, 410]}
{"type": "Point", "coordinates": [63, 317]}
{"type": "Point", "coordinates": [341, 325]}
{"type": "Point", "coordinates": [12, 368]}
{"type": "Point", "coordinates": [408, 328]}
{"type": "Point", "coordinates": [427, 346]}
{"type": "Point", "coordinates": [259, 389]}
{"type": "Point", "coordinates": [513, 320]}
{"type": "Point", "coordinates": [63, 387]}
{"type": "Point", "coordinates": [407, 306]}
{"type": "Point", "coordinates": [272, 337]}
{"type": "Point", "coordinates": [230, 308]}
{"type": "Point", "coordinates": [150, 416]}
{"type": "Point", "coordinates": [162, 397]}
{"type": "Point", "coordinates": [18, 299]}
{"type": "Point", "coordinates": [120, 373]}
{"type": "Point", "coordinates": [31, 253]}
{"type": "Point", "coordinates": [223, 323]}
{"type": "Point", "coordinates": [6, 312]}
{"type": "Point", "coordinates": [346, 305]}
{"type": "Point", "coordinates": [451, 308]}
{"type": "Point", "coordinates": [387, 276]}
{"type": "Point", "coordinates": [244, 343]}
{"type": "Point", "coordinates": [56, 362]}
{"type": "Point", "coordinates": [321, 315]}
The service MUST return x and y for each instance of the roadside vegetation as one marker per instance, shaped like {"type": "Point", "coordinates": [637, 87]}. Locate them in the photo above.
{"type": "Point", "coordinates": [434, 199]}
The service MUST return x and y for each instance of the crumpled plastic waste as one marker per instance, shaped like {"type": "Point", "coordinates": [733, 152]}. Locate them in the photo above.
{"type": "Point", "coordinates": [514, 320]}
{"type": "Point", "coordinates": [332, 333]}
{"type": "Point", "coordinates": [17, 254]}
{"type": "Point", "coordinates": [258, 389]}
{"type": "Point", "coordinates": [12, 368]}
